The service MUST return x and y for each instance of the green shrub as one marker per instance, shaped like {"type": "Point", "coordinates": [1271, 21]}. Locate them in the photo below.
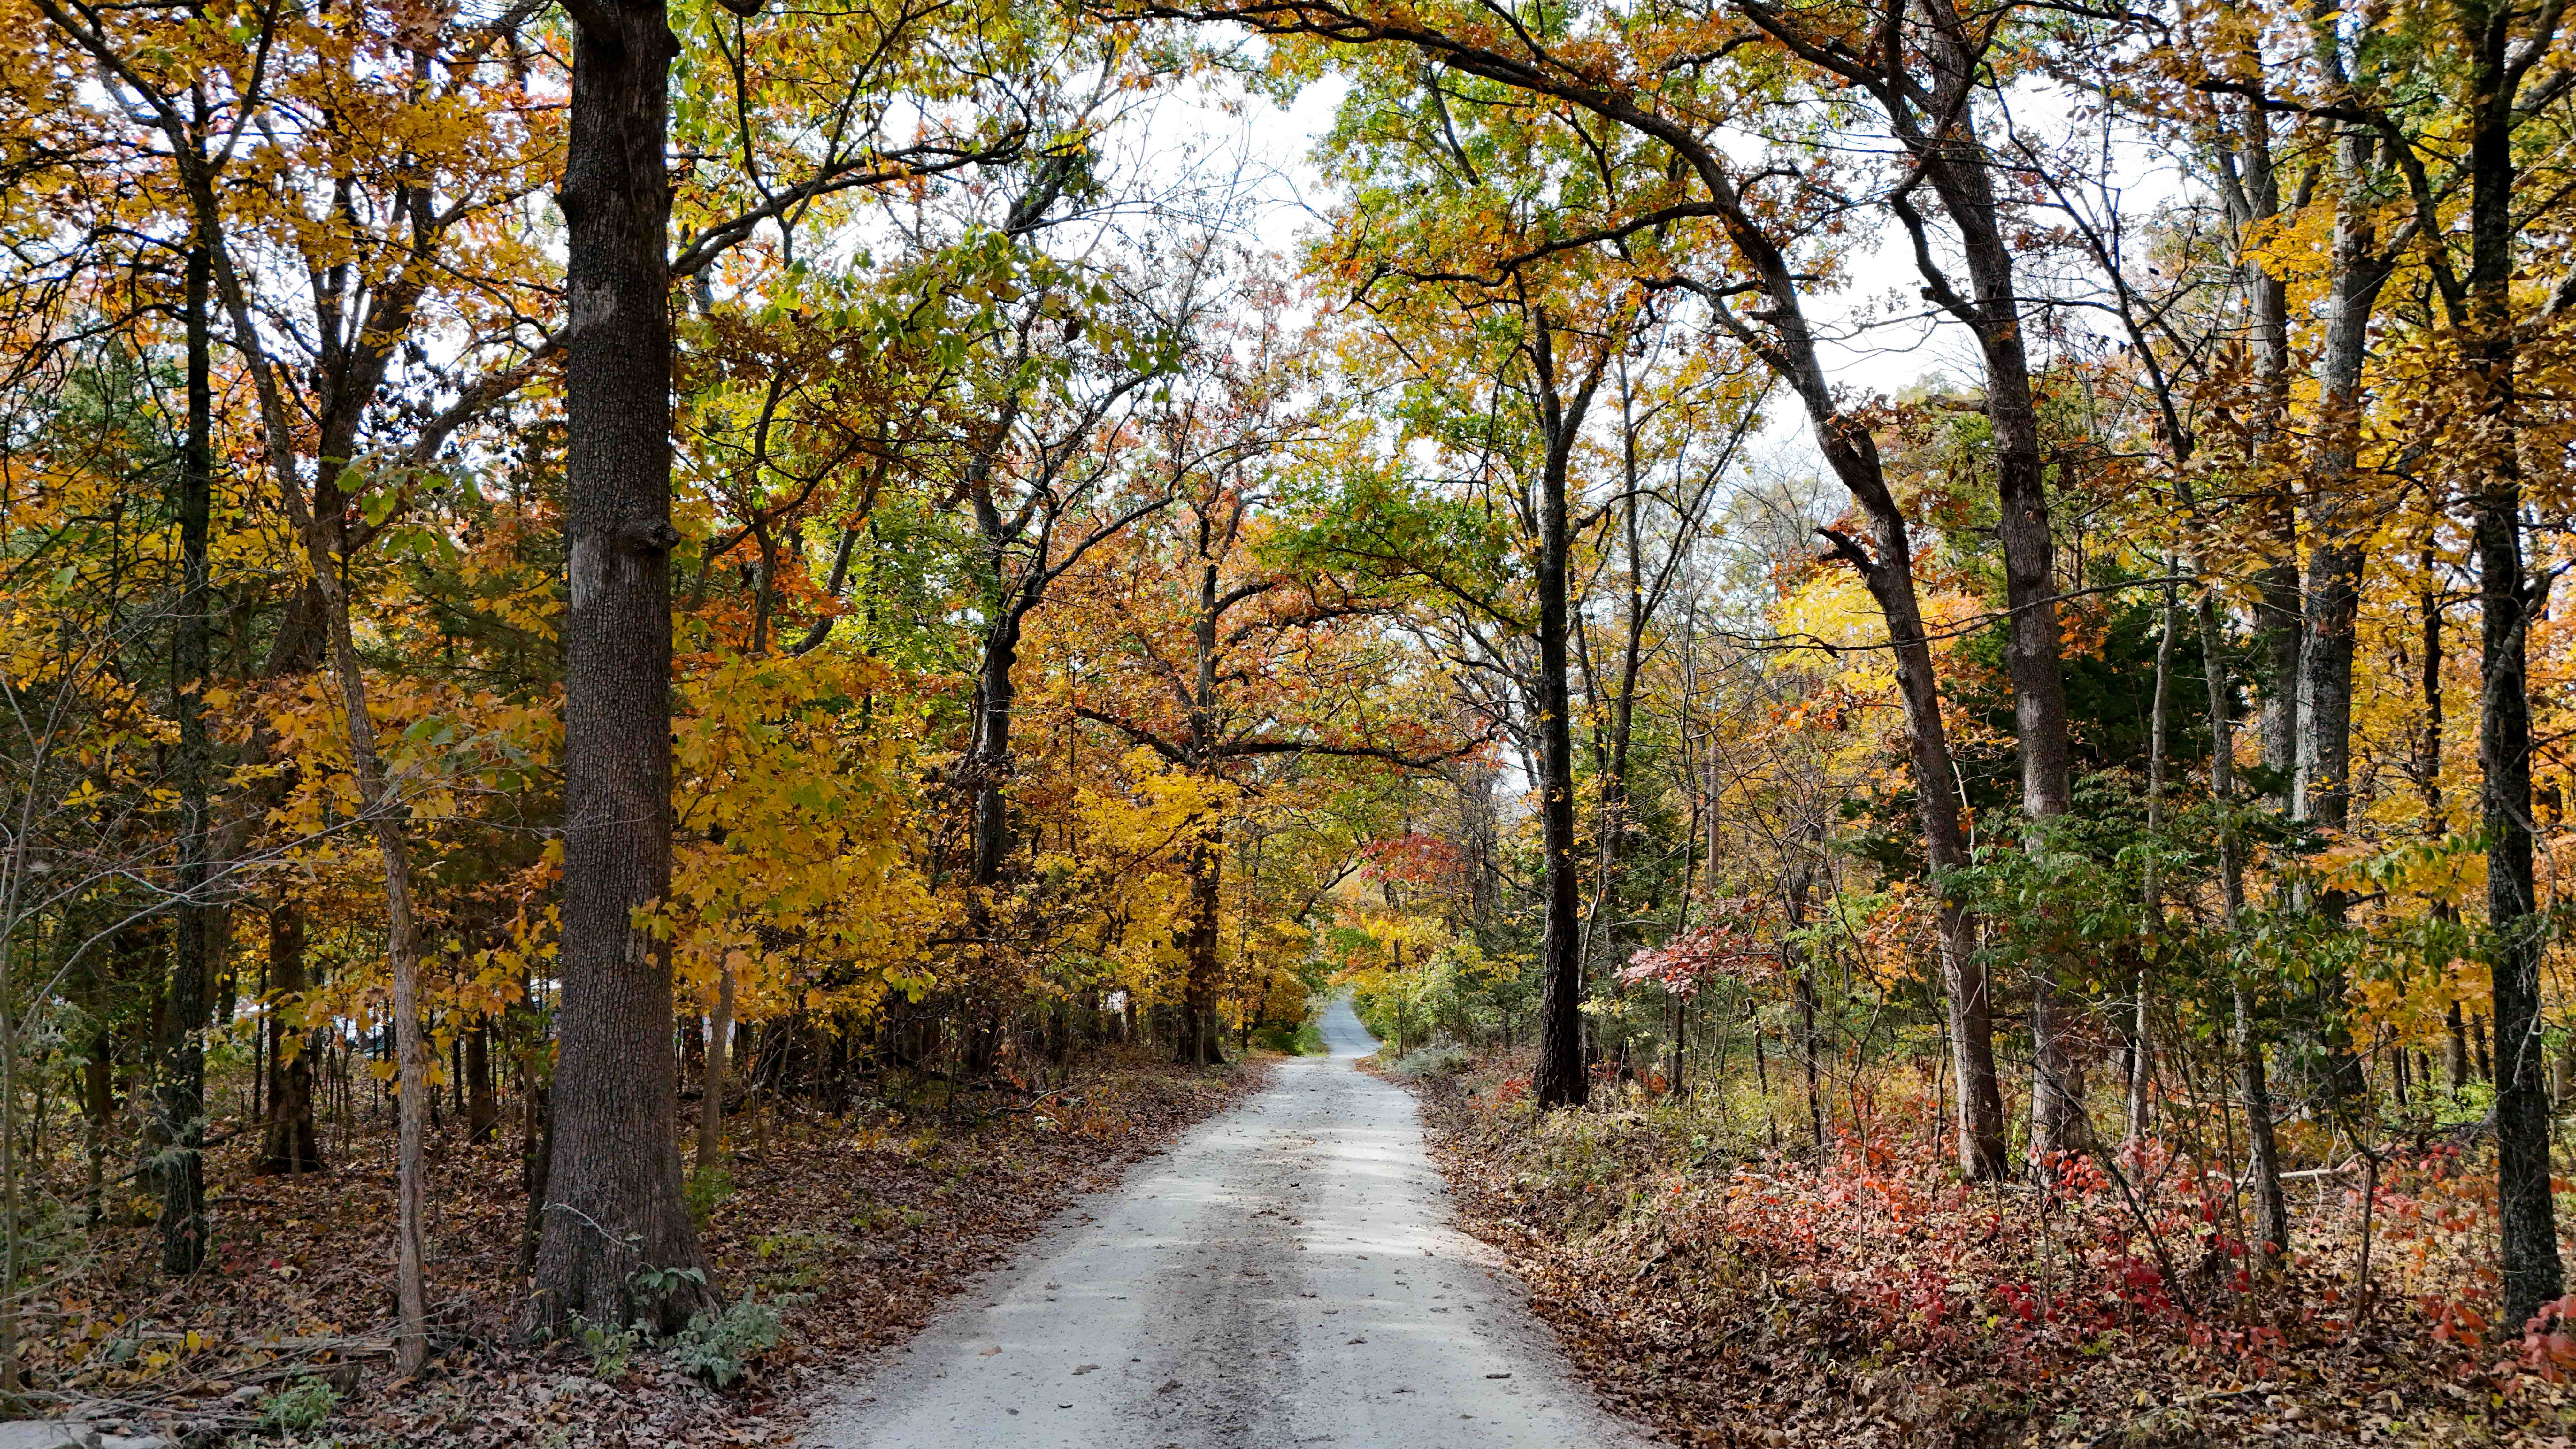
{"type": "Point", "coordinates": [1300, 1039]}
{"type": "Point", "coordinates": [610, 1348]}
{"type": "Point", "coordinates": [707, 1189]}
{"type": "Point", "coordinates": [301, 1406]}
{"type": "Point", "coordinates": [718, 1348]}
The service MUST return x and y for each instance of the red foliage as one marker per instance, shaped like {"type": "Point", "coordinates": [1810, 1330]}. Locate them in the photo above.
{"type": "Point", "coordinates": [1875, 1298]}
{"type": "Point", "coordinates": [1415, 858]}
{"type": "Point", "coordinates": [1737, 939]}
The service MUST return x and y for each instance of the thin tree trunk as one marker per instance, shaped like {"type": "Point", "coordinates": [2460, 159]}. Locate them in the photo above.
{"type": "Point", "coordinates": [482, 1112]}
{"type": "Point", "coordinates": [2141, 1040]}
{"type": "Point", "coordinates": [98, 1102]}
{"type": "Point", "coordinates": [2527, 1218]}
{"type": "Point", "coordinates": [383, 804]}
{"type": "Point", "coordinates": [536, 1157]}
{"type": "Point", "coordinates": [2271, 1212]}
{"type": "Point", "coordinates": [1558, 1079]}
{"type": "Point", "coordinates": [712, 1084]}
{"type": "Point", "coordinates": [290, 1146]}
{"type": "Point", "coordinates": [180, 1100]}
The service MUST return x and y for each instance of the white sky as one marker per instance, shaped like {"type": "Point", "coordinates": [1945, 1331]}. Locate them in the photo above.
{"type": "Point", "coordinates": [1899, 350]}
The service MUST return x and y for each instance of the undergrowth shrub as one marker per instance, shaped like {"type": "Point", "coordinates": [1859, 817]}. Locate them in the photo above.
{"type": "Point", "coordinates": [610, 1347]}
{"type": "Point", "coordinates": [706, 1189]}
{"type": "Point", "coordinates": [1433, 1063]}
{"type": "Point", "coordinates": [300, 1407]}
{"type": "Point", "coordinates": [1676, 1212]}
{"type": "Point", "coordinates": [718, 1348]}
{"type": "Point", "coordinates": [1304, 1039]}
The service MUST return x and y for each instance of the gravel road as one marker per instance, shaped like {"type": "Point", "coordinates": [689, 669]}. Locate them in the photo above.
{"type": "Point", "coordinates": [1286, 1275]}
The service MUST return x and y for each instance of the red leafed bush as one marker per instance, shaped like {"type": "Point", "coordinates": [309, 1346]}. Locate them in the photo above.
{"type": "Point", "coordinates": [1873, 1296]}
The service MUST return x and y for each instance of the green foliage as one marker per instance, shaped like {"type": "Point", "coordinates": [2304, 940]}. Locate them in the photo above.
{"type": "Point", "coordinates": [610, 1347]}
{"type": "Point", "coordinates": [796, 1259]}
{"type": "Point", "coordinates": [707, 1188]}
{"type": "Point", "coordinates": [1304, 1038]}
{"type": "Point", "coordinates": [299, 1407]}
{"type": "Point", "coordinates": [718, 1348]}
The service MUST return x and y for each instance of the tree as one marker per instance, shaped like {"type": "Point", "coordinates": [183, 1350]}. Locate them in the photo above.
{"type": "Point", "coordinates": [1229, 666]}
{"type": "Point", "coordinates": [615, 1208]}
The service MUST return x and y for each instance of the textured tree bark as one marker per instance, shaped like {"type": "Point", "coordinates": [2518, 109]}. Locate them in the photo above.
{"type": "Point", "coordinates": [2253, 197]}
{"type": "Point", "coordinates": [179, 1097]}
{"type": "Point", "coordinates": [2528, 1229]}
{"type": "Point", "coordinates": [291, 1145]}
{"type": "Point", "coordinates": [1201, 1039]}
{"type": "Point", "coordinates": [1558, 1080]}
{"type": "Point", "coordinates": [2527, 1226]}
{"type": "Point", "coordinates": [615, 1205]}
{"type": "Point", "coordinates": [2321, 791]}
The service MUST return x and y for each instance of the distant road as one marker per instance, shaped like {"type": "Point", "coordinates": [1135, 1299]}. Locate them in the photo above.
{"type": "Point", "coordinates": [1286, 1276]}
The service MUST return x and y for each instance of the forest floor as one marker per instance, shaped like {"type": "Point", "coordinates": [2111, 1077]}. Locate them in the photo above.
{"type": "Point", "coordinates": [855, 1228]}
{"type": "Point", "coordinates": [1768, 1298]}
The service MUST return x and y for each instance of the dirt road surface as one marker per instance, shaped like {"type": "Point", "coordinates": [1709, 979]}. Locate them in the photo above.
{"type": "Point", "coordinates": [1287, 1275]}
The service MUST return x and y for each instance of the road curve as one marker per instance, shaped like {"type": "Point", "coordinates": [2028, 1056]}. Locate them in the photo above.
{"type": "Point", "coordinates": [1287, 1275]}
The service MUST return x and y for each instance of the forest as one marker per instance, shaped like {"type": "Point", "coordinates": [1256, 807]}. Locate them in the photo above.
{"type": "Point", "coordinates": [668, 667]}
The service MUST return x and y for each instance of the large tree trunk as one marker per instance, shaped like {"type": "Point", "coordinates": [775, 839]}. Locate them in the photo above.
{"type": "Point", "coordinates": [179, 1099]}
{"type": "Point", "coordinates": [615, 1205]}
{"type": "Point", "coordinates": [2254, 201]}
{"type": "Point", "coordinates": [2532, 1273]}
